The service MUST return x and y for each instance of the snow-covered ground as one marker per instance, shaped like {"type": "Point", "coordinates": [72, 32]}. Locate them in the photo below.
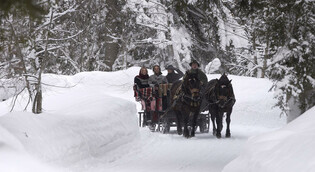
{"type": "Point", "coordinates": [288, 149]}
{"type": "Point", "coordinates": [90, 124]}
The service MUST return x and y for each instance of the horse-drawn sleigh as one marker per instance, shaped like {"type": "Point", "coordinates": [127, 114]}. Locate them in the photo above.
{"type": "Point", "coordinates": [157, 112]}
{"type": "Point", "coordinates": [179, 105]}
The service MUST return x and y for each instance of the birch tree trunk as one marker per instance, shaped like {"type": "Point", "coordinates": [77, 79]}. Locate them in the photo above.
{"type": "Point", "coordinates": [38, 99]}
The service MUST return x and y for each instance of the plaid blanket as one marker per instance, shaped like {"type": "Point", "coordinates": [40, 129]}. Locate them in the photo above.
{"type": "Point", "coordinates": [143, 93]}
{"type": "Point", "coordinates": [151, 104]}
{"type": "Point", "coordinates": [148, 99]}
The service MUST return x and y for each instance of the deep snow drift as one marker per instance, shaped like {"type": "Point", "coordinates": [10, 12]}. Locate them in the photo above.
{"type": "Point", "coordinates": [288, 149]}
{"type": "Point", "coordinates": [91, 125]}
{"type": "Point", "coordinates": [79, 122]}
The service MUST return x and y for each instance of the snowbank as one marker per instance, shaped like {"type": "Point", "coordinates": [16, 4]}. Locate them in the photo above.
{"type": "Point", "coordinates": [13, 156]}
{"type": "Point", "coordinates": [80, 121]}
{"type": "Point", "coordinates": [289, 149]}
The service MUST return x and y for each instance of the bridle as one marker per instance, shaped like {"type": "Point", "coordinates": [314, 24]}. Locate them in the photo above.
{"type": "Point", "coordinates": [217, 97]}
{"type": "Point", "coordinates": [192, 98]}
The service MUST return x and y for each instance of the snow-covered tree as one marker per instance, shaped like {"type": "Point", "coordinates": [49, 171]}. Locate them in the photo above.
{"type": "Point", "coordinates": [152, 40]}
{"type": "Point", "coordinates": [32, 44]}
{"type": "Point", "coordinates": [294, 63]}
{"type": "Point", "coordinates": [286, 29]}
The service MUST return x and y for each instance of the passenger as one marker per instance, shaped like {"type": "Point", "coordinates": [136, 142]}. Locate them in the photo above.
{"type": "Point", "coordinates": [172, 76]}
{"type": "Point", "coordinates": [157, 78]}
{"type": "Point", "coordinates": [142, 80]}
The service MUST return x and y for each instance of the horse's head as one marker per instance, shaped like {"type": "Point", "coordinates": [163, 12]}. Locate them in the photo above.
{"type": "Point", "coordinates": [192, 84]}
{"type": "Point", "coordinates": [223, 90]}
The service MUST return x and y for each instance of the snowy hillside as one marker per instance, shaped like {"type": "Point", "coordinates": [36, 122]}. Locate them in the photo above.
{"type": "Point", "coordinates": [90, 124]}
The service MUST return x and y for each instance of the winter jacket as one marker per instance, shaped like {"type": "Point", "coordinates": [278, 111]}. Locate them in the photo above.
{"type": "Point", "coordinates": [173, 77]}
{"type": "Point", "coordinates": [201, 76]}
{"type": "Point", "coordinates": [157, 79]}
{"type": "Point", "coordinates": [141, 83]}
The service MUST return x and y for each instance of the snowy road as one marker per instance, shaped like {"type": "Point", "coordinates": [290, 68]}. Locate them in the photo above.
{"type": "Point", "coordinates": [171, 152]}
{"type": "Point", "coordinates": [174, 153]}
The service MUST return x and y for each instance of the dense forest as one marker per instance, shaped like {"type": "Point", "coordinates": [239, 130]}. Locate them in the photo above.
{"type": "Point", "coordinates": [268, 39]}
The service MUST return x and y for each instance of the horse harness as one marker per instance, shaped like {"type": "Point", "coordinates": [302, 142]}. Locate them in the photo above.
{"type": "Point", "coordinates": [218, 97]}
{"type": "Point", "coordinates": [188, 99]}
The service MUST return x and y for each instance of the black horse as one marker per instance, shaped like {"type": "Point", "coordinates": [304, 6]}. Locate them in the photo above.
{"type": "Point", "coordinates": [186, 100]}
{"type": "Point", "coordinates": [220, 97]}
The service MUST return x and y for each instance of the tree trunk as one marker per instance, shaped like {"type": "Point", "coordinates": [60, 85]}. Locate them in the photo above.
{"type": "Point", "coordinates": [255, 73]}
{"type": "Point", "coordinates": [37, 104]}
{"type": "Point", "coordinates": [255, 54]}
{"type": "Point", "coordinates": [264, 68]}
{"type": "Point", "coordinates": [169, 47]}
{"type": "Point", "coordinates": [113, 31]}
{"type": "Point", "coordinates": [294, 109]}
{"type": "Point", "coordinates": [38, 99]}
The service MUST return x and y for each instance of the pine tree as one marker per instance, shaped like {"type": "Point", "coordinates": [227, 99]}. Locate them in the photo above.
{"type": "Point", "coordinates": [286, 28]}
{"type": "Point", "coordinates": [294, 64]}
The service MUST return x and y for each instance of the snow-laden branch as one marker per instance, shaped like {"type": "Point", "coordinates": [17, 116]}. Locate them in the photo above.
{"type": "Point", "coordinates": [62, 39]}
{"type": "Point", "coordinates": [156, 23]}
{"type": "Point", "coordinates": [49, 49]}
{"type": "Point", "coordinates": [159, 4]}
{"type": "Point", "coordinates": [68, 58]}
{"type": "Point", "coordinates": [114, 37]}
{"type": "Point", "coordinates": [246, 58]}
{"type": "Point", "coordinates": [311, 79]}
{"type": "Point", "coordinates": [102, 64]}
{"type": "Point", "coordinates": [281, 54]}
{"type": "Point", "coordinates": [13, 61]}
{"type": "Point", "coordinates": [152, 13]}
{"type": "Point", "coordinates": [56, 16]}
{"type": "Point", "coordinates": [153, 27]}
{"type": "Point", "coordinates": [152, 41]}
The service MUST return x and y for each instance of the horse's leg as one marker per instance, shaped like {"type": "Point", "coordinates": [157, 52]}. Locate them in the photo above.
{"type": "Point", "coordinates": [219, 123]}
{"type": "Point", "coordinates": [194, 122]}
{"type": "Point", "coordinates": [214, 128]}
{"type": "Point", "coordinates": [213, 115]}
{"type": "Point", "coordinates": [186, 119]}
{"type": "Point", "coordinates": [179, 122]}
{"type": "Point", "coordinates": [228, 121]}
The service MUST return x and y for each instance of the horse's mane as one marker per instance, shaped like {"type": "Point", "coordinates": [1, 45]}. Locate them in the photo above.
{"type": "Point", "coordinates": [179, 85]}
{"type": "Point", "coordinates": [212, 88]}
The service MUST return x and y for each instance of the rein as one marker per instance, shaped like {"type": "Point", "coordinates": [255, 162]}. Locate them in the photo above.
{"type": "Point", "coordinates": [192, 99]}
{"type": "Point", "coordinates": [222, 98]}
{"type": "Point", "coordinates": [181, 94]}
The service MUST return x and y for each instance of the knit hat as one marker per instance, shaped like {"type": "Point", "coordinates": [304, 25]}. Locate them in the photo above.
{"type": "Point", "coordinates": [170, 67]}
{"type": "Point", "coordinates": [194, 61]}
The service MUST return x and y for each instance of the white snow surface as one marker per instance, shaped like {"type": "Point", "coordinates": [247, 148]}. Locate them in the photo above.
{"type": "Point", "coordinates": [90, 120]}
{"type": "Point", "coordinates": [288, 149]}
{"type": "Point", "coordinates": [213, 66]}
